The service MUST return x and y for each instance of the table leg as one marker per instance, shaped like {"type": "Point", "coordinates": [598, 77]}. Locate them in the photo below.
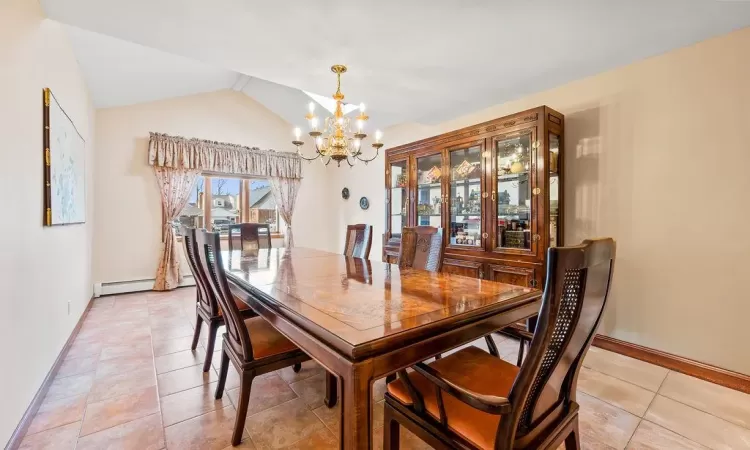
{"type": "Point", "coordinates": [331, 390]}
{"type": "Point", "coordinates": [356, 410]}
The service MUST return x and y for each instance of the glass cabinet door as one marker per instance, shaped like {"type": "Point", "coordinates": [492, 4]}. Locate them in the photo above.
{"type": "Point", "coordinates": [554, 190]}
{"type": "Point", "coordinates": [512, 190]}
{"type": "Point", "coordinates": [399, 200]}
{"type": "Point", "coordinates": [465, 197]}
{"type": "Point", "coordinates": [429, 196]}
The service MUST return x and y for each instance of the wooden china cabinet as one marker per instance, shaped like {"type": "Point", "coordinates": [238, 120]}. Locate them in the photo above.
{"type": "Point", "coordinates": [496, 188]}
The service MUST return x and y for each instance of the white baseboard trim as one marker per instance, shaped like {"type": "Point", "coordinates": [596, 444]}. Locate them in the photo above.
{"type": "Point", "coordinates": [126, 287]}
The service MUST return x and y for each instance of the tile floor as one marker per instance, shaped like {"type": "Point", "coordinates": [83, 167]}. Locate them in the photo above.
{"type": "Point", "coordinates": [130, 381]}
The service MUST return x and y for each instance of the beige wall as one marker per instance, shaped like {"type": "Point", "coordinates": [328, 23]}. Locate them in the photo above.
{"type": "Point", "coordinates": [128, 208]}
{"type": "Point", "coordinates": [657, 157]}
{"type": "Point", "coordinates": [41, 269]}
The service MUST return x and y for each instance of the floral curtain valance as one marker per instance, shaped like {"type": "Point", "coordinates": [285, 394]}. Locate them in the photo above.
{"type": "Point", "coordinates": [219, 157]}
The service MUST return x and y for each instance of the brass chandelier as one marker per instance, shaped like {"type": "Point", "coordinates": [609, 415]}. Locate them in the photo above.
{"type": "Point", "coordinates": [336, 140]}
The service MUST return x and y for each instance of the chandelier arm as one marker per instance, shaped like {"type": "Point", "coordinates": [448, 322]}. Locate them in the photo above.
{"type": "Point", "coordinates": [377, 150]}
{"type": "Point", "coordinates": [309, 159]}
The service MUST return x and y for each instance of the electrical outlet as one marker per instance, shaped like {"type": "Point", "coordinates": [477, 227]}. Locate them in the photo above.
{"type": "Point", "coordinates": [68, 307]}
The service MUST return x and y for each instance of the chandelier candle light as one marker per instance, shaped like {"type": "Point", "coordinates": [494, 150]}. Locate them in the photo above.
{"type": "Point", "coordinates": [336, 141]}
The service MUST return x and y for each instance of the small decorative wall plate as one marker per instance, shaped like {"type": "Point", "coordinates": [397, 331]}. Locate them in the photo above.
{"type": "Point", "coordinates": [345, 193]}
{"type": "Point", "coordinates": [364, 203]}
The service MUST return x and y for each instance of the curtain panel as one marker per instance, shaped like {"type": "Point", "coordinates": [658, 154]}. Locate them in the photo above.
{"type": "Point", "coordinates": [219, 157]}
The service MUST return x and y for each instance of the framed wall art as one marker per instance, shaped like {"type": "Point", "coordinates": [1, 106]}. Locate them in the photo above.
{"type": "Point", "coordinates": [64, 166]}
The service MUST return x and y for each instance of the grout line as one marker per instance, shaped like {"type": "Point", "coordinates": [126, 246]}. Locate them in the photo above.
{"type": "Point", "coordinates": [626, 381]}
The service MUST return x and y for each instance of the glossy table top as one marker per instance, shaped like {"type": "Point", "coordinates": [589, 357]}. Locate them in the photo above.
{"type": "Point", "coordinates": [361, 301]}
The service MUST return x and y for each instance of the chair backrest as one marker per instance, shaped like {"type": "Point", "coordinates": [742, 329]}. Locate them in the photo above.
{"type": "Point", "coordinates": [358, 241]}
{"type": "Point", "coordinates": [421, 248]}
{"type": "Point", "coordinates": [205, 294]}
{"type": "Point", "coordinates": [252, 236]}
{"type": "Point", "coordinates": [578, 283]}
{"type": "Point", "coordinates": [209, 249]}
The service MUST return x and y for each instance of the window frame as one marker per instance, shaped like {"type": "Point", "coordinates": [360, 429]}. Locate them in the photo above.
{"type": "Point", "coordinates": [244, 206]}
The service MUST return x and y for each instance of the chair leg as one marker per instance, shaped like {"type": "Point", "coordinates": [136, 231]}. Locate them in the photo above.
{"type": "Point", "coordinates": [521, 348]}
{"type": "Point", "coordinates": [246, 383]}
{"type": "Point", "coordinates": [331, 390]}
{"type": "Point", "coordinates": [391, 431]}
{"type": "Point", "coordinates": [491, 346]}
{"type": "Point", "coordinates": [297, 367]}
{"type": "Point", "coordinates": [573, 441]}
{"type": "Point", "coordinates": [197, 332]}
{"type": "Point", "coordinates": [222, 375]}
{"type": "Point", "coordinates": [213, 328]}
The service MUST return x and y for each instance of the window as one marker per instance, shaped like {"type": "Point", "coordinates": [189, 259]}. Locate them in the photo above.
{"type": "Point", "coordinates": [217, 202]}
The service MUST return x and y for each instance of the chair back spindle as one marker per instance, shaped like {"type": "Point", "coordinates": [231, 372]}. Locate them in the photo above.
{"type": "Point", "coordinates": [206, 296]}
{"type": "Point", "coordinates": [358, 241]}
{"type": "Point", "coordinates": [421, 248]}
{"type": "Point", "coordinates": [578, 283]}
{"type": "Point", "coordinates": [209, 247]}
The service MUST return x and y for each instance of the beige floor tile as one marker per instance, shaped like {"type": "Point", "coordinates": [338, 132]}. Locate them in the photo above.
{"type": "Point", "coordinates": [182, 379]}
{"type": "Point", "coordinates": [140, 434]}
{"type": "Point", "coordinates": [121, 383]}
{"type": "Point", "coordinates": [78, 366]}
{"type": "Point", "coordinates": [320, 439]}
{"type": "Point", "coordinates": [123, 365]}
{"type": "Point", "coordinates": [171, 332]}
{"type": "Point", "coordinates": [728, 404]}
{"type": "Point", "coordinates": [283, 425]}
{"type": "Point", "coordinates": [83, 349]}
{"type": "Point", "coordinates": [70, 386]}
{"type": "Point", "coordinates": [265, 393]}
{"type": "Point", "coordinates": [190, 403]}
{"type": "Point", "coordinates": [331, 417]}
{"type": "Point", "coordinates": [631, 398]}
{"type": "Point", "coordinates": [60, 438]}
{"type": "Point", "coordinates": [129, 350]}
{"type": "Point", "coordinates": [309, 369]}
{"type": "Point", "coordinates": [696, 425]}
{"type": "Point", "coordinates": [166, 346]}
{"type": "Point", "coordinates": [118, 410]}
{"type": "Point", "coordinates": [54, 413]}
{"type": "Point", "coordinates": [409, 441]}
{"type": "Point", "coordinates": [603, 425]}
{"type": "Point", "coordinates": [179, 360]}
{"type": "Point", "coordinates": [311, 390]}
{"type": "Point", "coordinates": [209, 431]}
{"type": "Point", "coordinates": [640, 373]}
{"type": "Point", "coordinates": [650, 436]}
{"type": "Point", "coordinates": [102, 303]}
{"type": "Point", "coordinates": [378, 390]}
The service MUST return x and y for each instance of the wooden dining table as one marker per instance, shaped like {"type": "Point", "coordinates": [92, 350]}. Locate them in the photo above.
{"type": "Point", "coordinates": [363, 320]}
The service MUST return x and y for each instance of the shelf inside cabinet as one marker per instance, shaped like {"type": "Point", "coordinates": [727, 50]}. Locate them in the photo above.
{"type": "Point", "coordinates": [512, 176]}
{"type": "Point", "coordinates": [427, 186]}
{"type": "Point", "coordinates": [466, 182]}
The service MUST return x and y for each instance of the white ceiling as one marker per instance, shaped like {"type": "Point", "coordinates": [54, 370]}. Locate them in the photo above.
{"type": "Point", "coordinates": [417, 60]}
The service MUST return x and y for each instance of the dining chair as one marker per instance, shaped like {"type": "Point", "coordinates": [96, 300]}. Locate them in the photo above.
{"type": "Point", "coordinates": [471, 399]}
{"type": "Point", "coordinates": [421, 248]}
{"type": "Point", "coordinates": [207, 308]}
{"type": "Point", "coordinates": [358, 241]}
{"type": "Point", "coordinates": [251, 236]}
{"type": "Point", "coordinates": [251, 343]}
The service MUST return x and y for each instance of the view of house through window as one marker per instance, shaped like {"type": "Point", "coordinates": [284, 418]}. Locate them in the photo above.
{"type": "Point", "coordinates": [232, 200]}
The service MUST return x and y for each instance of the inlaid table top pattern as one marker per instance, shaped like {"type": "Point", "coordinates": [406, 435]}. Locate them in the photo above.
{"type": "Point", "coordinates": [360, 301]}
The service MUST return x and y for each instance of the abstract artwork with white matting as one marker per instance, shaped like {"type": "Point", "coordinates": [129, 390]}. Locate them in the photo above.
{"type": "Point", "coordinates": [65, 166]}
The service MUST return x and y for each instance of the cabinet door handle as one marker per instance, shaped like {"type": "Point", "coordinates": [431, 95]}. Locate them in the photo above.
{"type": "Point", "coordinates": [493, 195]}
{"type": "Point", "coordinates": [532, 283]}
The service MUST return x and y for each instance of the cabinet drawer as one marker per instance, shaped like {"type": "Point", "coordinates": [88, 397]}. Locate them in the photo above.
{"type": "Point", "coordinates": [465, 268]}
{"type": "Point", "coordinates": [519, 276]}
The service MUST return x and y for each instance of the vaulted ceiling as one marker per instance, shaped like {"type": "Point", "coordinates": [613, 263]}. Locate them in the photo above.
{"type": "Point", "coordinates": [417, 60]}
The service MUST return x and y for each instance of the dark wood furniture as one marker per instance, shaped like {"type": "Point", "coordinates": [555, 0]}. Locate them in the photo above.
{"type": "Point", "coordinates": [496, 188]}
{"type": "Point", "coordinates": [249, 236]}
{"type": "Point", "coordinates": [252, 344]}
{"type": "Point", "coordinates": [367, 325]}
{"type": "Point", "coordinates": [358, 241]}
{"type": "Point", "coordinates": [421, 248]}
{"type": "Point", "coordinates": [471, 399]}
{"type": "Point", "coordinates": [207, 308]}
